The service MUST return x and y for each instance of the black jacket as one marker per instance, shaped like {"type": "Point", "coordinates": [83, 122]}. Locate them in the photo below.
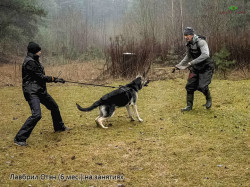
{"type": "Point", "coordinates": [34, 78]}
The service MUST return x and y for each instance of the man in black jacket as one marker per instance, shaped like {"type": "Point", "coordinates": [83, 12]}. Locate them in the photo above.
{"type": "Point", "coordinates": [201, 67]}
{"type": "Point", "coordinates": [35, 92]}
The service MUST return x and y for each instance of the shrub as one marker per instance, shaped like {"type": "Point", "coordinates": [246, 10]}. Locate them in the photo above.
{"type": "Point", "coordinates": [223, 64]}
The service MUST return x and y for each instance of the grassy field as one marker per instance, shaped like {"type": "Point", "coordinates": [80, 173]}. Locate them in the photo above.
{"type": "Point", "coordinates": [198, 148]}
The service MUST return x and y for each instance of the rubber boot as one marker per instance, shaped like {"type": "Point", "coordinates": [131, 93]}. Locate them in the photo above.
{"type": "Point", "coordinates": [209, 99]}
{"type": "Point", "coordinates": [190, 99]}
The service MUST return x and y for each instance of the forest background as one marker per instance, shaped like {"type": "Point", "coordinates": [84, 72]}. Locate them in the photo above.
{"type": "Point", "coordinates": [85, 30]}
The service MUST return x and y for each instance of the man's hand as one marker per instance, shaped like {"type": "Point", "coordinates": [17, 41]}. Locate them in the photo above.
{"type": "Point", "coordinates": [175, 68]}
{"type": "Point", "coordinates": [56, 80]}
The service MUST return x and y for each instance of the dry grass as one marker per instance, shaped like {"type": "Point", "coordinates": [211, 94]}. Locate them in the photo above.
{"type": "Point", "coordinates": [87, 71]}
{"type": "Point", "coordinates": [92, 71]}
{"type": "Point", "coordinates": [199, 148]}
{"type": "Point", "coordinates": [11, 74]}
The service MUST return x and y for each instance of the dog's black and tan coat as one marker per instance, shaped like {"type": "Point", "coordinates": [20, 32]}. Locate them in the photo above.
{"type": "Point", "coordinates": [124, 96]}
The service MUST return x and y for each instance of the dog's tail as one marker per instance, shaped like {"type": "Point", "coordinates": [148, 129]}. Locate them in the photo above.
{"type": "Point", "coordinates": [95, 105]}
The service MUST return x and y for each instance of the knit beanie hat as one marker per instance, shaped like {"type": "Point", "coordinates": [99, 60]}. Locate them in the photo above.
{"type": "Point", "coordinates": [188, 31]}
{"type": "Point", "coordinates": [33, 48]}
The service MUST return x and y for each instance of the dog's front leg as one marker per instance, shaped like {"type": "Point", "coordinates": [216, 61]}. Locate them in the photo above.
{"type": "Point", "coordinates": [130, 113]}
{"type": "Point", "coordinates": [136, 112]}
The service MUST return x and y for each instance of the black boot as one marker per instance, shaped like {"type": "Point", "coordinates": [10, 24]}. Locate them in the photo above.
{"type": "Point", "coordinates": [209, 99]}
{"type": "Point", "coordinates": [190, 99]}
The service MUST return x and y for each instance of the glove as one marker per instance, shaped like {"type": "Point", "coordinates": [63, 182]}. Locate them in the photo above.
{"type": "Point", "coordinates": [56, 80]}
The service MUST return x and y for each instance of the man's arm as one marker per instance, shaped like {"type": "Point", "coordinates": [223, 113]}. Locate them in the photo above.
{"type": "Point", "coordinates": [35, 72]}
{"type": "Point", "coordinates": [185, 60]}
{"type": "Point", "coordinates": [204, 52]}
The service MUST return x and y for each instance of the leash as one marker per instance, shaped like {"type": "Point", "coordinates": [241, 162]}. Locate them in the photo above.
{"type": "Point", "coordinates": [88, 84]}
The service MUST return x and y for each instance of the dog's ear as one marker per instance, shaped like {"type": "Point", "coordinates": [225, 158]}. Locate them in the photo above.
{"type": "Point", "coordinates": [138, 76]}
{"type": "Point", "coordinates": [144, 77]}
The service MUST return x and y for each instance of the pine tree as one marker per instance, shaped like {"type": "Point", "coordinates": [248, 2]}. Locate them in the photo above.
{"type": "Point", "coordinates": [18, 22]}
{"type": "Point", "coordinates": [222, 62]}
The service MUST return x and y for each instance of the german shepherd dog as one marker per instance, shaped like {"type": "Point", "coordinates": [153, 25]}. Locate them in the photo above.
{"type": "Point", "coordinates": [123, 96]}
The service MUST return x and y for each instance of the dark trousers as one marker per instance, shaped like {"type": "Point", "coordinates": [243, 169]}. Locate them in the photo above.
{"type": "Point", "coordinates": [31, 122]}
{"type": "Point", "coordinates": [199, 80]}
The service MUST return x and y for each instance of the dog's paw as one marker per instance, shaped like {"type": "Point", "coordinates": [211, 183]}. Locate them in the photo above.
{"type": "Point", "coordinates": [102, 126]}
{"type": "Point", "coordinates": [132, 119]}
{"type": "Point", "coordinates": [140, 120]}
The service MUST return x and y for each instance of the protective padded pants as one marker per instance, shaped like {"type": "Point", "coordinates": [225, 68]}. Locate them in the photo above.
{"type": "Point", "coordinates": [199, 80]}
